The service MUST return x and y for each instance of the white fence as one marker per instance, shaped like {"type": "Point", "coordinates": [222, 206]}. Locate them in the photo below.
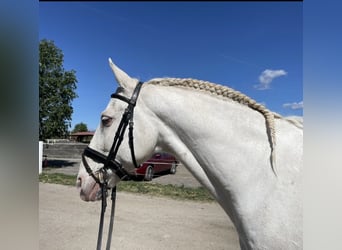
{"type": "Point", "coordinates": [40, 157]}
{"type": "Point", "coordinates": [53, 141]}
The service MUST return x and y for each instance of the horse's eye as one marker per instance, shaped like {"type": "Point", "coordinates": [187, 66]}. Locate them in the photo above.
{"type": "Point", "coordinates": [106, 120]}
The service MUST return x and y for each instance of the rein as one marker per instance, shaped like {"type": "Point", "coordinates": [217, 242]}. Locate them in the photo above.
{"type": "Point", "coordinates": [109, 162]}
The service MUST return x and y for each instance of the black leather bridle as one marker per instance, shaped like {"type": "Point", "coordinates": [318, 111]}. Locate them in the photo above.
{"type": "Point", "coordinates": [109, 161]}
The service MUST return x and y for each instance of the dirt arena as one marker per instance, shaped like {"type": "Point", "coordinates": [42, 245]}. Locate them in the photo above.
{"type": "Point", "coordinates": [142, 222]}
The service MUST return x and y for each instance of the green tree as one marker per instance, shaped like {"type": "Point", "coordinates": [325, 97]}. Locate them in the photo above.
{"type": "Point", "coordinates": [80, 127]}
{"type": "Point", "coordinates": [56, 92]}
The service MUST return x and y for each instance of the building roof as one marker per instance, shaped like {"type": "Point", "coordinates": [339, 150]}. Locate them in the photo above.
{"type": "Point", "coordinates": [83, 133]}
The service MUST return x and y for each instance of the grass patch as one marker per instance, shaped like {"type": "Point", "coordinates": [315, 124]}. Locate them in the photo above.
{"type": "Point", "coordinates": [172, 191]}
{"type": "Point", "coordinates": [150, 188]}
{"type": "Point", "coordinates": [58, 178]}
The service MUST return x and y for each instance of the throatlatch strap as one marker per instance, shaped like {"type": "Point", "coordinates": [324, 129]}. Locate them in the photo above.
{"type": "Point", "coordinates": [131, 143]}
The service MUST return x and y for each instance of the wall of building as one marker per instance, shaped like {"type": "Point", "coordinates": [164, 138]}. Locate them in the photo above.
{"type": "Point", "coordinates": [63, 150]}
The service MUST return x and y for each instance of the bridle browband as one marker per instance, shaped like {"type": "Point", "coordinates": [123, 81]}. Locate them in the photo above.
{"type": "Point", "coordinates": [109, 161]}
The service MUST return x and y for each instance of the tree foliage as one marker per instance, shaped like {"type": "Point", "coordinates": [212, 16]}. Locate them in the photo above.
{"type": "Point", "coordinates": [80, 127]}
{"type": "Point", "coordinates": [56, 92]}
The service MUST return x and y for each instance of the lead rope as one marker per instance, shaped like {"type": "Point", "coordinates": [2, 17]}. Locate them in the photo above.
{"type": "Point", "coordinates": [112, 213]}
{"type": "Point", "coordinates": [103, 210]}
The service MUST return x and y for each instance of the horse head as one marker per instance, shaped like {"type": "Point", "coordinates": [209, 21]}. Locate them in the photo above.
{"type": "Point", "coordinates": [91, 172]}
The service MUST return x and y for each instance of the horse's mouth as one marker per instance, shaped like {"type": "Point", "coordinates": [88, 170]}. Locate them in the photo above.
{"type": "Point", "coordinates": [91, 194]}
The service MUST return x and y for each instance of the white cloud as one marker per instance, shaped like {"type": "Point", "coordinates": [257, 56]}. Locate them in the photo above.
{"type": "Point", "coordinates": [294, 105]}
{"type": "Point", "coordinates": [267, 77]}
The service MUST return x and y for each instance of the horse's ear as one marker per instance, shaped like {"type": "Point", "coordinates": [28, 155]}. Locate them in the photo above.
{"type": "Point", "coordinates": [121, 77]}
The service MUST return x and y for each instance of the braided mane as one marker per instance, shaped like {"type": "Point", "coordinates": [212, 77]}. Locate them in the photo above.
{"type": "Point", "coordinates": [220, 90]}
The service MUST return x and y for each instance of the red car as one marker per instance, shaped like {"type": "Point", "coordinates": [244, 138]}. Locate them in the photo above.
{"type": "Point", "coordinates": [158, 164]}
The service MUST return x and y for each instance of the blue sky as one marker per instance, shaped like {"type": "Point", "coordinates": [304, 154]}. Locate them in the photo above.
{"type": "Point", "coordinates": [253, 47]}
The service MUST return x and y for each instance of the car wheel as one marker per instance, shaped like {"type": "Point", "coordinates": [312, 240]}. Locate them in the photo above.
{"type": "Point", "coordinates": [173, 168]}
{"type": "Point", "coordinates": [149, 173]}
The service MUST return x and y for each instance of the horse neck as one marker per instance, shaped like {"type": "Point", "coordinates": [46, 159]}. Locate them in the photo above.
{"type": "Point", "coordinates": [222, 143]}
{"type": "Point", "coordinates": [214, 138]}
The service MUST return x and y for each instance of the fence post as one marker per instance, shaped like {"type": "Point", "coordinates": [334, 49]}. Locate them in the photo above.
{"type": "Point", "coordinates": [40, 156]}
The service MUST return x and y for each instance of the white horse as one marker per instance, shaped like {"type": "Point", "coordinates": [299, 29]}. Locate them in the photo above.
{"type": "Point", "coordinates": [249, 158]}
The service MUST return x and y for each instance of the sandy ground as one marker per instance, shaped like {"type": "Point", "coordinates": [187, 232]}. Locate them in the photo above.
{"type": "Point", "coordinates": [141, 222]}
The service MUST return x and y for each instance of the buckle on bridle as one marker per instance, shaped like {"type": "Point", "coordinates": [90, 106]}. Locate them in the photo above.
{"type": "Point", "coordinates": [102, 175]}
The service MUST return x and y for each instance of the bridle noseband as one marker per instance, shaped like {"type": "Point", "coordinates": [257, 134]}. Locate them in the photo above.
{"type": "Point", "coordinates": [109, 161]}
